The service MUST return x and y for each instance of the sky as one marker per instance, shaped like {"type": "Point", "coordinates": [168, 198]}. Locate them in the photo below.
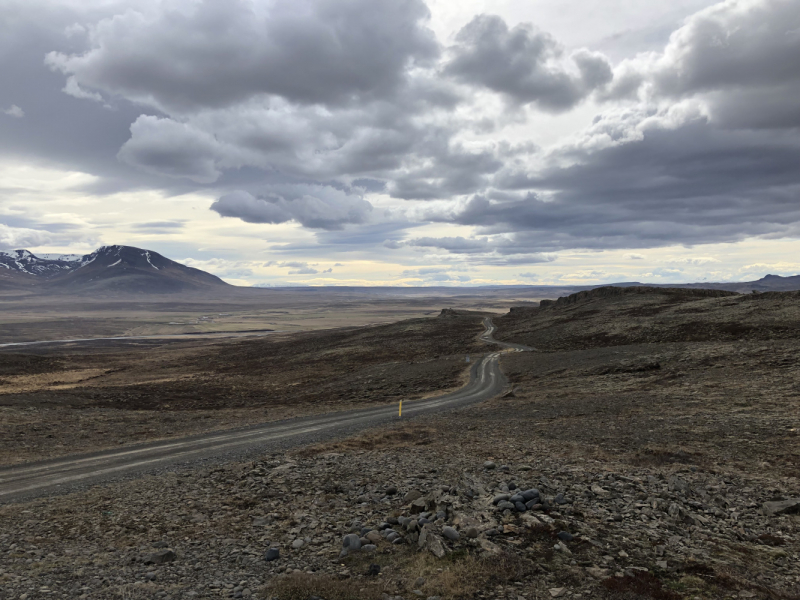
{"type": "Point", "coordinates": [404, 142]}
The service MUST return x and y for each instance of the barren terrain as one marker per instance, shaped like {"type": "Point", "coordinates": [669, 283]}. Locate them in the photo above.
{"type": "Point", "coordinates": [659, 429]}
{"type": "Point", "coordinates": [66, 399]}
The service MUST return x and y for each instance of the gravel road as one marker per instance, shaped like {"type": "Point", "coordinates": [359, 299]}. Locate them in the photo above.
{"type": "Point", "coordinates": [62, 474]}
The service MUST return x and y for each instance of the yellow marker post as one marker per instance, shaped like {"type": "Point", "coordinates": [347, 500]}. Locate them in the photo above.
{"type": "Point", "coordinates": [400, 411]}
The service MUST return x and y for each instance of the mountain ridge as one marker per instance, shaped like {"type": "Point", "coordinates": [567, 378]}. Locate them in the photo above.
{"type": "Point", "coordinates": [129, 269]}
{"type": "Point", "coordinates": [114, 268]}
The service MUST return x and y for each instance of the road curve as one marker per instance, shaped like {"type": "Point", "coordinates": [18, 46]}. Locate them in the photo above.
{"type": "Point", "coordinates": [66, 473]}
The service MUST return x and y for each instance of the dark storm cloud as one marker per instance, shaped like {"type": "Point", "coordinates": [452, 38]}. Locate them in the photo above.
{"type": "Point", "coordinates": [523, 64]}
{"type": "Point", "coordinates": [222, 52]}
{"type": "Point", "coordinates": [292, 111]}
{"type": "Point", "coordinates": [740, 56]}
{"type": "Point", "coordinates": [319, 207]}
{"type": "Point", "coordinates": [692, 185]}
{"type": "Point", "coordinates": [166, 147]}
{"type": "Point", "coordinates": [709, 154]}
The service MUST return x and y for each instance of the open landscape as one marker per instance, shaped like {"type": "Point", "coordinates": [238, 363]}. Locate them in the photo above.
{"type": "Point", "coordinates": [654, 433]}
{"type": "Point", "coordinates": [399, 300]}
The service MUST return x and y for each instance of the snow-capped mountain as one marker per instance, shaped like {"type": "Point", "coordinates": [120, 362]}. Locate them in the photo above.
{"type": "Point", "coordinates": [46, 265]}
{"type": "Point", "coordinates": [110, 268]}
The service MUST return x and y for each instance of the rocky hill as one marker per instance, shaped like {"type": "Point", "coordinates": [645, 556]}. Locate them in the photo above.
{"type": "Point", "coordinates": [613, 316]}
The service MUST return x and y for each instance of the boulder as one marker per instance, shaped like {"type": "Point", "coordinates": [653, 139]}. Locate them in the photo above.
{"type": "Point", "coordinates": [782, 507]}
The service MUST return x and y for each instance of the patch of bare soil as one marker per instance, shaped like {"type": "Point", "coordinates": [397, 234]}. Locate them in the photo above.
{"type": "Point", "coordinates": [72, 400]}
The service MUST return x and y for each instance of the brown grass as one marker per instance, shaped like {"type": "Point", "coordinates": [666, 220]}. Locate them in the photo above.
{"type": "Point", "coordinates": [302, 586]}
{"type": "Point", "coordinates": [462, 575]}
{"type": "Point", "coordinates": [385, 439]}
{"type": "Point", "coordinates": [641, 585]}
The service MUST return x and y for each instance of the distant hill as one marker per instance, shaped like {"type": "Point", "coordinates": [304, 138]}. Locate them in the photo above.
{"type": "Point", "coordinates": [107, 269]}
{"type": "Point", "coordinates": [768, 283]}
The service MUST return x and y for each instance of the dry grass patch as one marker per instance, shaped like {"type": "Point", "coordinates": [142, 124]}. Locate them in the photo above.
{"type": "Point", "coordinates": [302, 586]}
{"type": "Point", "coordinates": [462, 575]}
{"type": "Point", "coordinates": [398, 437]}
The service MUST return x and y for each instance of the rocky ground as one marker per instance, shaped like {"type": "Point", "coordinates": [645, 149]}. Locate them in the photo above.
{"type": "Point", "coordinates": [63, 400]}
{"type": "Point", "coordinates": [660, 471]}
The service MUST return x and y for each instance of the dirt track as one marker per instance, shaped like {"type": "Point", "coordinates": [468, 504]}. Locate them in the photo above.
{"type": "Point", "coordinates": [486, 380]}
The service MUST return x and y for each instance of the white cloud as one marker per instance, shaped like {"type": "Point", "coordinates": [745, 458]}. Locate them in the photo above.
{"type": "Point", "coordinates": [14, 111]}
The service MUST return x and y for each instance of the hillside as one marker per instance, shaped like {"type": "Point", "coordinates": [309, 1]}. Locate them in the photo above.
{"type": "Point", "coordinates": [612, 316]}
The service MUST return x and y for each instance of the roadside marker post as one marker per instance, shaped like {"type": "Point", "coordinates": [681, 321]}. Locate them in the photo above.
{"type": "Point", "coordinates": [400, 410]}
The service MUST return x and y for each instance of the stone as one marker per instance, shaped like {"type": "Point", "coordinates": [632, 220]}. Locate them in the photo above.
{"type": "Point", "coordinates": [781, 507]}
{"type": "Point", "coordinates": [520, 507]}
{"type": "Point", "coordinates": [600, 492]}
{"type": "Point", "coordinates": [506, 505]}
{"type": "Point", "coordinates": [557, 592]}
{"type": "Point", "coordinates": [298, 543]}
{"type": "Point", "coordinates": [676, 484]}
{"type": "Point", "coordinates": [272, 554]}
{"type": "Point", "coordinates": [471, 532]}
{"type": "Point", "coordinates": [516, 498]}
{"type": "Point", "coordinates": [411, 496]}
{"type": "Point", "coordinates": [560, 499]}
{"type": "Point", "coordinates": [500, 498]}
{"type": "Point", "coordinates": [374, 537]}
{"type": "Point", "coordinates": [160, 557]}
{"type": "Point", "coordinates": [369, 548]}
{"type": "Point", "coordinates": [565, 536]}
{"type": "Point", "coordinates": [373, 570]}
{"type": "Point", "coordinates": [391, 490]}
{"type": "Point", "coordinates": [435, 545]}
{"type": "Point", "coordinates": [351, 542]}
{"type": "Point", "coordinates": [451, 534]}
{"type": "Point", "coordinates": [418, 505]}
{"type": "Point", "coordinates": [530, 494]}
{"type": "Point", "coordinates": [597, 572]}
{"type": "Point", "coordinates": [489, 465]}
{"type": "Point", "coordinates": [419, 582]}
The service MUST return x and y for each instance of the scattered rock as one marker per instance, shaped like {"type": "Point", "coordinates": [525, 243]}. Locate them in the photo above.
{"type": "Point", "coordinates": [160, 557]}
{"type": "Point", "coordinates": [272, 554]}
{"type": "Point", "coordinates": [411, 496]}
{"type": "Point", "coordinates": [351, 542]}
{"type": "Point", "coordinates": [451, 534]}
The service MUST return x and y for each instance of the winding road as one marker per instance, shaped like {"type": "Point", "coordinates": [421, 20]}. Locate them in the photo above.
{"type": "Point", "coordinates": [63, 474]}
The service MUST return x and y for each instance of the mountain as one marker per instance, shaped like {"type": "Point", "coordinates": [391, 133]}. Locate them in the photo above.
{"type": "Point", "coordinates": [22, 261]}
{"type": "Point", "coordinates": [107, 269]}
